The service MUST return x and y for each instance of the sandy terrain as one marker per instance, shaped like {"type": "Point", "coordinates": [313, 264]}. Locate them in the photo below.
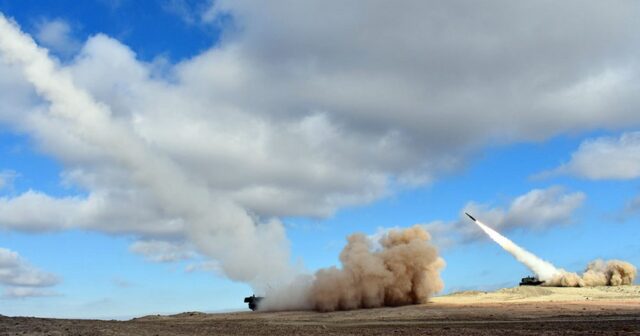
{"type": "Point", "coordinates": [622, 294]}
{"type": "Point", "coordinates": [511, 311]}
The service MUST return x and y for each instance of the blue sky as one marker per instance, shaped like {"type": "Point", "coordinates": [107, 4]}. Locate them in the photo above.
{"type": "Point", "coordinates": [308, 122]}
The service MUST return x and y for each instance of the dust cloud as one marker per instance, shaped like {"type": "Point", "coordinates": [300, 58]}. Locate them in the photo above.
{"type": "Point", "coordinates": [405, 270]}
{"type": "Point", "coordinates": [597, 273]}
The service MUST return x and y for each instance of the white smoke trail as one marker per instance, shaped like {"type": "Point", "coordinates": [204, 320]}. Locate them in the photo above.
{"type": "Point", "coordinates": [543, 269]}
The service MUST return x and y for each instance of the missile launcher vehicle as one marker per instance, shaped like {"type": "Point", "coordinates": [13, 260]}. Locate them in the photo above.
{"type": "Point", "coordinates": [531, 281]}
{"type": "Point", "coordinates": [253, 301]}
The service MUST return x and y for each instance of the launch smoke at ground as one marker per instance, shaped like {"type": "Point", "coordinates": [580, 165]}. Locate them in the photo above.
{"type": "Point", "coordinates": [405, 271]}
{"type": "Point", "coordinates": [597, 273]}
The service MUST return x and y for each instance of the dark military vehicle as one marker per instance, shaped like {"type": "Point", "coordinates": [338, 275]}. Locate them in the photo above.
{"type": "Point", "coordinates": [253, 301]}
{"type": "Point", "coordinates": [531, 281]}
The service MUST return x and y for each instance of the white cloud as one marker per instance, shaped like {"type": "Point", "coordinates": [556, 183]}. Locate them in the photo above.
{"type": "Point", "coordinates": [616, 158]}
{"type": "Point", "coordinates": [538, 209]}
{"type": "Point", "coordinates": [56, 34]}
{"type": "Point", "coordinates": [541, 208]}
{"type": "Point", "coordinates": [117, 211]}
{"type": "Point", "coordinates": [21, 279]}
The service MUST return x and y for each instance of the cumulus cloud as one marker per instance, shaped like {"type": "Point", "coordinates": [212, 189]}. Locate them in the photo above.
{"type": "Point", "coordinates": [117, 211]}
{"type": "Point", "coordinates": [21, 279]}
{"type": "Point", "coordinates": [537, 209]}
{"type": "Point", "coordinates": [56, 34]}
{"type": "Point", "coordinates": [441, 64]}
{"type": "Point", "coordinates": [299, 147]}
{"type": "Point", "coordinates": [605, 158]}
{"type": "Point", "coordinates": [306, 109]}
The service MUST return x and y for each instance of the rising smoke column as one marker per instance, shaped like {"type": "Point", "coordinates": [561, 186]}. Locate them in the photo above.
{"type": "Point", "coordinates": [597, 273]}
{"type": "Point", "coordinates": [405, 271]}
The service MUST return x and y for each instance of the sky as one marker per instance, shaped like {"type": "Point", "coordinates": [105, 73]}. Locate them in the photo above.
{"type": "Point", "coordinates": [169, 156]}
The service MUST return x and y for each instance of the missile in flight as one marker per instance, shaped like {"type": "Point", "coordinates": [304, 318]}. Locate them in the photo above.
{"type": "Point", "coordinates": [473, 219]}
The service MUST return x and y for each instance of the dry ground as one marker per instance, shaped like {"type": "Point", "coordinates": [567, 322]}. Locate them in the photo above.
{"type": "Point", "coordinates": [511, 311]}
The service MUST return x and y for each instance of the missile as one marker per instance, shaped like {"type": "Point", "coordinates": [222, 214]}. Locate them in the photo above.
{"type": "Point", "coordinates": [473, 219]}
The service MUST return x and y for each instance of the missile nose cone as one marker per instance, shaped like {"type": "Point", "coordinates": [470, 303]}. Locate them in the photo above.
{"type": "Point", "coordinates": [473, 219]}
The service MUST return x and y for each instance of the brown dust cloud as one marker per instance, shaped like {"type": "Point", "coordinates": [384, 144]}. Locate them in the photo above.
{"type": "Point", "coordinates": [404, 270]}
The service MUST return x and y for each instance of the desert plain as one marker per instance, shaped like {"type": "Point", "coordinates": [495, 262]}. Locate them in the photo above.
{"type": "Point", "coordinates": [509, 311]}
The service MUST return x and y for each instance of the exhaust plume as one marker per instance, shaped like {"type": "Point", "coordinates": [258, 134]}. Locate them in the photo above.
{"type": "Point", "coordinates": [405, 271]}
{"type": "Point", "coordinates": [597, 273]}
{"type": "Point", "coordinates": [543, 269]}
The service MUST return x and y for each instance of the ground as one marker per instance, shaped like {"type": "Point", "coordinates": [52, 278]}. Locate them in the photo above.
{"type": "Point", "coordinates": [510, 311]}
